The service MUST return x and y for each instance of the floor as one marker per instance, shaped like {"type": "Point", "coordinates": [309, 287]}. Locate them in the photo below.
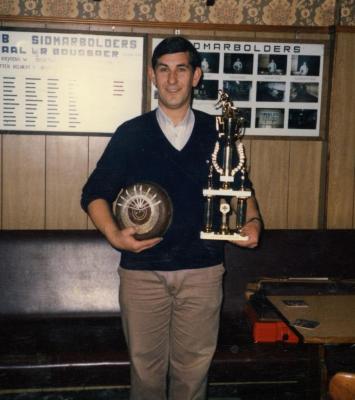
{"type": "Point", "coordinates": [104, 394]}
{"type": "Point", "coordinates": [219, 392]}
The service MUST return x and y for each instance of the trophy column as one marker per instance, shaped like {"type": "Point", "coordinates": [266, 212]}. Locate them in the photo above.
{"type": "Point", "coordinates": [230, 150]}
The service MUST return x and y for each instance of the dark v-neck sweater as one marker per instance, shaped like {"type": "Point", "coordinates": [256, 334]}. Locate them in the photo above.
{"type": "Point", "coordinates": [140, 152]}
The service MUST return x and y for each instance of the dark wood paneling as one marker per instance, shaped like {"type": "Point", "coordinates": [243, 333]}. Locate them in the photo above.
{"type": "Point", "coordinates": [304, 184]}
{"type": "Point", "coordinates": [341, 179]}
{"type": "Point", "coordinates": [66, 173]}
{"type": "Point", "coordinates": [96, 147]}
{"type": "Point", "coordinates": [23, 182]}
{"type": "Point", "coordinates": [269, 172]}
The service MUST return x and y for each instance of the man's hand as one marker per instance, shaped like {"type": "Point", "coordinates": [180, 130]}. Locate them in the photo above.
{"type": "Point", "coordinates": [124, 240]}
{"type": "Point", "coordinates": [252, 230]}
{"type": "Point", "coordinates": [101, 215]}
{"type": "Point", "coordinates": [252, 227]}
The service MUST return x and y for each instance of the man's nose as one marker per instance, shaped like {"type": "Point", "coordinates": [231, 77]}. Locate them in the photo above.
{"type": "Point", "coordinates": [172, 77]}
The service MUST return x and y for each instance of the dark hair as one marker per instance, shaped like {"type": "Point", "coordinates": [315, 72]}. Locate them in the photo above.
{"type": "Point", "coordinates": [176, 44]}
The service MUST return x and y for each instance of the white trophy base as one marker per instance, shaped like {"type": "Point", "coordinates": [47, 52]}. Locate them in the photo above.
{"type": "Point", "coordinates": [242, 194]}
{"type": "Point", "coordinates": [221, 236]}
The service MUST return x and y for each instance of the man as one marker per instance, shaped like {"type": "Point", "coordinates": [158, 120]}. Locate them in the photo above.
{"type": "Point", "coordinates": [205, 66]}
{"type": "Point", "coordinates": [238, 66]}
{"type": "Point", "coordinates": [272, 67]}
{"type": "Point", "coordinates": [171, 287]}
{"type": "Point", "coordinates": [304, 68]}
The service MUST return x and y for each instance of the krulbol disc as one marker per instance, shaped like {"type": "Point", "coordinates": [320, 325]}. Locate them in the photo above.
{"type": "Point", "coordinates": [147, 207]}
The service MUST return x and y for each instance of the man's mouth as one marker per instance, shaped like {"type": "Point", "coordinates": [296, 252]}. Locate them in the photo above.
{"type": "Point", "coordinates": [172, 90]}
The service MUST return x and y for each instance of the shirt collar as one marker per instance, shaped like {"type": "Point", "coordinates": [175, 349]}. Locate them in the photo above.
{"type": "Point", "coordinates": [165, 120]}
{"type": "Point", "coordinates": [178, 135]}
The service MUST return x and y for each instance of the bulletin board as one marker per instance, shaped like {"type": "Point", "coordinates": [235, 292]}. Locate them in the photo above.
{"type": "Point", "coordinates": [277, 86]}
{"type": "Point", "coordinates": [70, 82]}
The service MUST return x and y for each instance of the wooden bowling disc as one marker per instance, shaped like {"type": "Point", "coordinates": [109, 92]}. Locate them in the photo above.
{"type": "Point", "coordinates": [147, 207]}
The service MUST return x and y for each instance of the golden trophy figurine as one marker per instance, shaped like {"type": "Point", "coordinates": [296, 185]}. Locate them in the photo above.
{"type": "Point", "coordinates": [228, 161]}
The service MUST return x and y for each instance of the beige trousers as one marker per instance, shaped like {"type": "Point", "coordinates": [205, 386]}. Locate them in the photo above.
{"type": "Point", "coordinates": [170, 320]}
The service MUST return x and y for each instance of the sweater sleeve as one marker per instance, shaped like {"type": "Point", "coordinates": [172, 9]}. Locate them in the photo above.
{"type": "Point", "coordinates": [108, 177]}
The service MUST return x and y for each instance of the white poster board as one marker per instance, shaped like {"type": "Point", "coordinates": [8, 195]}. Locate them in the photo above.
{"type": "Point", "coordinates": [277, 86]}
{"type": "Point", "coordinates": [69, 82]}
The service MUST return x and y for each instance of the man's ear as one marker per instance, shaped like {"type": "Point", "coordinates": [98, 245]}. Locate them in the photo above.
{"type": "Point", "coordinates": [151, 75]}
{"type": "Point", "coordinates": [196, 77]}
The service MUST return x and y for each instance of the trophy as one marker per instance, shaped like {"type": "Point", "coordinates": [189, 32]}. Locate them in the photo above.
{"type": "Point", "coordinates": [227, 161]}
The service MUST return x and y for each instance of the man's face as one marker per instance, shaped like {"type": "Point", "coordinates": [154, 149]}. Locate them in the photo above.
{"type": "Point", "coordinates": [174, 78]}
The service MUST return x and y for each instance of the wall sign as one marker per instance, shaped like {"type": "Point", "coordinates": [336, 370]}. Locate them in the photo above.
{"type": "Point", "coordinates": [277, 86]}
{"type": "Point", "coordinates": [69, 82]}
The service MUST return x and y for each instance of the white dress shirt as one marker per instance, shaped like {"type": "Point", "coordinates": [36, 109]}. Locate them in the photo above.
{"type": "Point", "coordinates": [178, 135]}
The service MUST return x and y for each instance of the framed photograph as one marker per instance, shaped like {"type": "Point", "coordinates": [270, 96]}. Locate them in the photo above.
{"type": "Point", "coordinates": [70, 82]}
{"type": "Point", "coordinates": [276, 85]}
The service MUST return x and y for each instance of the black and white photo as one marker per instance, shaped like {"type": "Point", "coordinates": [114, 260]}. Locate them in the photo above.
{"type": "Point", "coordinates": [272, 64]}
{"type": "Point", "coordinates": [302, 119]}
{"type": "Point", "coordinates": [206, 90]}
{"type": "Point", "coordinates": [304, 92]}
{"type": "Point", "coordinates": [303, 65]}
{"type": "Point", "coordinates": [209, 63]}
{"type": "Point", "coordinates": [270, 91]}
{"type": "Point", "coordinates": [238, 63]}
{"type": "Point", "coordinates": [270, 118]}
{"type": "Point", "coordinates": [238, 90]}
